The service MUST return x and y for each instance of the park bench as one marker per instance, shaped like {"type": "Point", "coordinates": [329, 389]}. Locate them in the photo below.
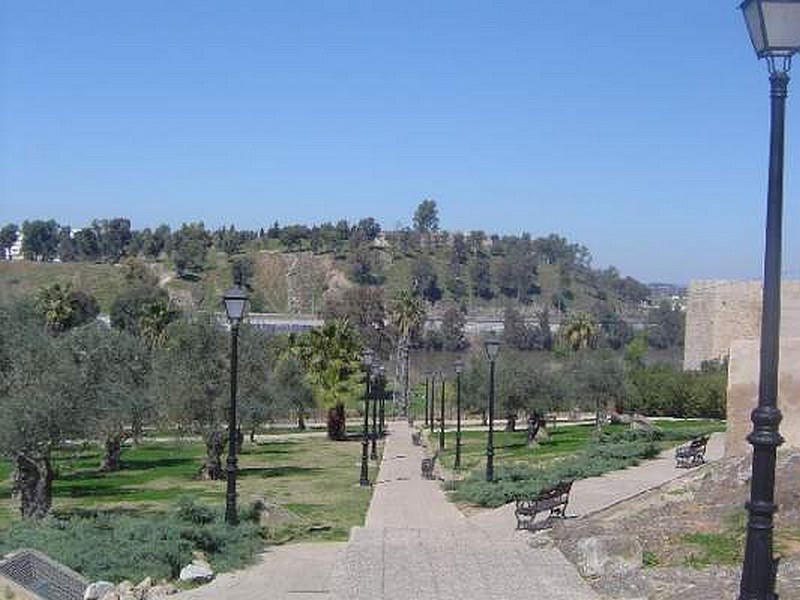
{"type": "Point", "coordinates": [692, 454]}
{"type": "Point", "coordinates": [553, 499]}
{"type": "Point", "coordinates": [427, 467]}
{"type": "Point", "coordinates": [416, 438]}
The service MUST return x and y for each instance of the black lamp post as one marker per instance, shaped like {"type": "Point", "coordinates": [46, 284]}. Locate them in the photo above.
{"type": "Point", "coordinates": [459, 367]}
{"type": "Point", "coordinates": [432, 403]}
{"type": "Point", "coordinates": [366, 360]}
{"type": "Point", "coordinates": [382, 396]}
{"type": "Point", "coordinates": [235, 302]}
{"type": "Point", "coordinates": [373, 454]}
{"type": "Point", "coordinates": [441, 413]}
{"type": "Point", "coordinates": [427, 395]}
{"type": "Point", "coordinates": [492, 346]}
{"type": "Point", "coordinates": [774, 28]}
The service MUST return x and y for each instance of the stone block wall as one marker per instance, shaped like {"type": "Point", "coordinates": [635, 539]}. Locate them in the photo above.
{"type": "Point", "coordinates": [719, 312]}
{"type": "Point", "coordinates": [743, 375]}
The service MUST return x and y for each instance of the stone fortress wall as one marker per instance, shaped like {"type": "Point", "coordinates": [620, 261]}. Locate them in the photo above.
{"type": "Point", "coordinates": [719, 312]}
{"type": "Point", "coordinates": [723, 320]}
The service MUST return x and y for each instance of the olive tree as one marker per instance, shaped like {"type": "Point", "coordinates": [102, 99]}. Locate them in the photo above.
{"type": "Point", "coordinates": [41, 405]}
{"type": "Point", "coordinates": [113, 371]}
{"type": "Point", "coordinates": [191, 381]}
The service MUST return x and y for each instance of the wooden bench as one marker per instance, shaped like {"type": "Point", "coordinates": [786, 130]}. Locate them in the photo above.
{"type": "Point", "coordinates": [427, 466]}
{"type": "Point", "coordinates": [416, 438]}
{"type": "Point", "coordinates": [692, 454]}
{"type": "Point", "coordinates": [553, 499]}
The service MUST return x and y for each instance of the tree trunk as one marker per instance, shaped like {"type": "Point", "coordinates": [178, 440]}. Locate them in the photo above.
{"type": "Point", "coordinates": [111, 460]}
{"type": "Point", "coordinates": [239, 440]}
{"type": "Point", "coordinates": [137, 429]}
{"type": "Point", "coordinates": [511, 422]}
{"type": "Point", "coordinates": [252, 435]}
{"type": "Point", "coordinates": [484, 418]}
{"type": "Point", "coordinates": [337, 426]}
{"type": "Point", "coordinates": [33, 482]}
{"type": "Point", "coordinates": [301, 421]}
{"type": "Point", "coordinates": [537, 428]}
{"type": "Point", "coordinates": [212, 468]}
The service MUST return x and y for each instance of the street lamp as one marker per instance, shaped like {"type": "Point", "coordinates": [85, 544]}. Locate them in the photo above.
{"type": "Point", "coordinates": [376, 388]}
{"type": "Point", "coordinates": [492, 346]}
{"type": "Point", "coordinates": [427, 395]}
{"type": "Point", "coordinates": [459, 367]}
{"type": "Point", "coordinates": [235, 302]}
{"type": "Point", "coordinates": [441, 414]}
{"type": "Point", "coordinates": [774, 28]}
{"type": "Point", "coordinates": [432, 403]}
{"type": "Point", "coordinates": [366, 361]}
{"type": "Point", "coordinates": [382, 391]}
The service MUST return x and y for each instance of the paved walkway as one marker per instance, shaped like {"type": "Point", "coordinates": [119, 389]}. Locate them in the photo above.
{"type": "Point", "coordinates": [418, 546]}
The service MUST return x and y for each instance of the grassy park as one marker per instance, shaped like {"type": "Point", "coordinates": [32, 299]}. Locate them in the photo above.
{"type": "Point", "coordinates": [312, 479]}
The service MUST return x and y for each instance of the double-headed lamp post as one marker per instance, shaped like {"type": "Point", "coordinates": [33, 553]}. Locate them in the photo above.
{"type": "Point", "coordinates": [459, 367]}
{"type": "Point", "coordinates": [235, 302]}
{"type": "Point", "coordinates": [366, 361]}
{"type": "Point", "coordinates": [492, 346]}
{"type": "Point", "coordinates": [774, 28]}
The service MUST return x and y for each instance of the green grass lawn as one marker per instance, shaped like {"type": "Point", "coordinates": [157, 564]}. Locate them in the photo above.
{"type": "Point", "coordinates": [312, 477]}
{"type": "Point", "coordinates": [563, 441]}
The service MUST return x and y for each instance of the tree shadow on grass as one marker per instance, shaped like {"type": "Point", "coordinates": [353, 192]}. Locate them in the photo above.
{"type": "Point", "coordinates": [144, 464]}
{"type": "Point", "coordinates": [285, 471]}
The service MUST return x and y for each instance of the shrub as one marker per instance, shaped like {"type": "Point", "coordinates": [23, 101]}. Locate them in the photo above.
{"type": "Point", "coordinates": [114, 546]}
{"type": "Point", "coordinates": [610, 452]}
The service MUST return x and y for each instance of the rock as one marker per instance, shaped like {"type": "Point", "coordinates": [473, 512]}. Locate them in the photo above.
{"type": "Point", "coordinates": [112, 595]}
{"type": "Point", "coordinates": [197, 572]}
{"type": "Point", "coordinates": [124, 587]}
{"type": "Point", "coordinates": [161, 590]}
{"type": "Point", "coordinates": [641, 423]}
{"type": "Point", "coordinates": [272, 515]}
{"type": "Point", "coordinates": [606, 554]}
{"type": "Point", "coordinates": [624, 419]}
{"type": "Point", "coordinates": [97, 590]}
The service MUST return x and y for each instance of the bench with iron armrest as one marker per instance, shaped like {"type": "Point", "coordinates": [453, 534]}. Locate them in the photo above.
{"type": "Point", "coordinates": [692, 454]}
{"type": "Point", "coordinates": [427, 466]}
{"type": "Point", "coordinates": [553, 499]}
{"type": "Point", "coordinates": [416, 438]}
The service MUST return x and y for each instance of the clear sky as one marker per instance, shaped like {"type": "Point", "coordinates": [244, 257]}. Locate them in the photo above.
{"type": "Point", "coordinates": [635, 127]}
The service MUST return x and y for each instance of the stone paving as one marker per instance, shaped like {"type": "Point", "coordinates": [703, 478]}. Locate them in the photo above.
{"type": "Point", "coordinates": [416, 545]}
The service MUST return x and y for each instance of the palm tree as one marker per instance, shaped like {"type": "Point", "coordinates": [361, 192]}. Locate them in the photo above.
{"type": "Point", "coordinates": [408, 314]}
{"type": "Point", "coordinates": [330, 356]}
{"type": "Point", "coordinates": [579, 331]}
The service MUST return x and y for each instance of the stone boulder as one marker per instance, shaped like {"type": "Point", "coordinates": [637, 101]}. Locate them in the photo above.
{"type": "Point", "coordinates": [97, 590]}
{"type": "Point", "coordinates": [197, 572]}
{"type": "Point", "coordinates": [606, 554]}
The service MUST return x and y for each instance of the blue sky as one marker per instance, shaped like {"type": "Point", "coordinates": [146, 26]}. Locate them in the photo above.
{"type": "Point", "coordinates": [637, 128]}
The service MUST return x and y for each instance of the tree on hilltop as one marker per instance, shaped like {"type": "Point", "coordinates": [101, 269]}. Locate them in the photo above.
{"type": "Point", "coordinates": [426, 217]}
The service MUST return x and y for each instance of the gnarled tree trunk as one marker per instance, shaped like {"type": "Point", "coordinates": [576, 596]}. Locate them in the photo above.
{"type": "Point", "coordinates": [111, 459]}
{"type": "Point", "coordinates": [212, 468]}
{"type": "Point", "coordinates": [33, 483]}
{"type": "Point", "coordinates": [537, 428]}
{"type": "Point", "coordinates": [511, 422]}
{"type": "Point", "coordinates": [337, 425]}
